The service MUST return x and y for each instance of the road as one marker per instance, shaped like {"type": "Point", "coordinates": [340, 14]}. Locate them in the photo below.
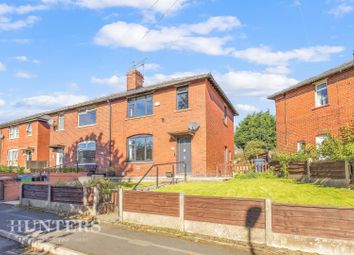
{"type": "Point", "coordinates": [111, 240]}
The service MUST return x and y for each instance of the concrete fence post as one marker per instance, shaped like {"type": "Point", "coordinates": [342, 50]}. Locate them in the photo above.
{"type": "Point", "coordinates": [120, 205]}
{"type": "Point", "coordinates": [84, 196]}
{"type": "Point", "coordinates": [268, 221]}
{"type": "Point", "coordinates": [181, 211]}
{"type": "Point", "coordinates": [49, 193]}
{"type": "Point", "coordinates": [96, 200]}
{"type": "Point", "coordinates": [308, 166]}
{"type": "Point", "coordinates": [347, 171]}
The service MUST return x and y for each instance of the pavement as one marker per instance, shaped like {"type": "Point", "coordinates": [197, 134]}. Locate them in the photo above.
{"type": "Point", "coordinates": [9, 247]}
{"type": "Point", "coordinates": [105, 239]}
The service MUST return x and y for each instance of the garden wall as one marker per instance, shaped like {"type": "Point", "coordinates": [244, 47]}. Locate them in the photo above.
{"type": "Point", "coordinates": [324, 230]}
{"type": "Point", "coordinates": [55, 178]}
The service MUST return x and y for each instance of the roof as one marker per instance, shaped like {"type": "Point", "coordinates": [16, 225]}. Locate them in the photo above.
{"type": "Point", "coordinates": [313, 79]}
{"type": "Point", "coordinates": [44, 115]}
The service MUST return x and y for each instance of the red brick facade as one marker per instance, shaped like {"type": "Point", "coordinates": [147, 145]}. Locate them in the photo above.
{"type": "Point", "coordinates": [212, 144]}
{"type": "Point", "coordinates": [298, 119]}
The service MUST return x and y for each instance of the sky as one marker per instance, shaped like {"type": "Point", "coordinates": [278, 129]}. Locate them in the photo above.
{"type": "Point", "coordinates": [55, 53]}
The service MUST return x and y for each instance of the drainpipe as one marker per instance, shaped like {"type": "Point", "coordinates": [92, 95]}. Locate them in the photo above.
{"type": "Point", "coordinates": [110, 131]}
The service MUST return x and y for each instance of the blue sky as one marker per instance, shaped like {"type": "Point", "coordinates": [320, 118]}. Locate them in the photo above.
{"type": "Point", "coordinates": [59, 52]}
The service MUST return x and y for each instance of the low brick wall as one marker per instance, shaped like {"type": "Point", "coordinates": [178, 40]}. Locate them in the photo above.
{"type": "Point", "coordinates": [11, 190]}
{"type": "Point", "coordinates": [55, 178]}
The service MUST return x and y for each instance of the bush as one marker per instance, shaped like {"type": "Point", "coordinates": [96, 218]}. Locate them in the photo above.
{"type": "Point", "coordinates": [254, 148]}
{"type": "Point", "coordinates": [13, 169]}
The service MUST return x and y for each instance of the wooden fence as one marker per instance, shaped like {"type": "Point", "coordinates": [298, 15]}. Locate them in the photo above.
{"type": "Point", "coordinates": [60, 194]}
{"type": "Point", "coordinates": [328, 169]}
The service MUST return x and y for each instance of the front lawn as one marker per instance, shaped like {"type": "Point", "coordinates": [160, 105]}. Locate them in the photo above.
{"type": "Point", "coordinates": [279, 190]}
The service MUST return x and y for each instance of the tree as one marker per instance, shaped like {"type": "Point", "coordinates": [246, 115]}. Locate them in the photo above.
{"type": "Point", "coordinates": [254, 148]}
{"type": "Point", "coordinates": [257, 126]}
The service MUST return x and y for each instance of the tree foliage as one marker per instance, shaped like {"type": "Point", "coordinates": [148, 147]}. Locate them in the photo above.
{"type": "Point", "coordinates": [257, 126]}
{"type": "Point", "coordinates": [254, 148]}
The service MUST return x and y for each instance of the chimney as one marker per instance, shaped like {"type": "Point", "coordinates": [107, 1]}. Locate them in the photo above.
{"type": "Point", "coordinates": [134, 79]}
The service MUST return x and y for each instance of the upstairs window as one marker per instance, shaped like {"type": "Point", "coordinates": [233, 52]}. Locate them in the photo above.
{"type": "Point", "coordinates": [61, 122]}
{"type": "Point", "coordinates": [140, 148]}
{"type": "Point", "coordinates": [182, 98]}
{"type": "Point", "coordinates": [225, 115]}
{"type": "Point", "coordinates": [87, 117]}
{"type": "Point", "coordinates": [14, 132]}
{"type": "Point", "coordinates": [139, 106]}
{"type": "Point", "coordinates": [12, 157]}
{"type": "Point", "coordinates": [86, 153]}
{"type": "Point", "coordinates": [321, 95]}
{"type": "Point", "coordinates": [29, 129]}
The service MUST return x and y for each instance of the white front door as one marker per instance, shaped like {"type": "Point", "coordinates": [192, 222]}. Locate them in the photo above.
{"type": "Point", "coordinates": [59, 158]}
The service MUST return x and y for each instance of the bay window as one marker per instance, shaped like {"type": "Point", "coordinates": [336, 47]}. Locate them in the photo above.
{"type": "Point", "coordinates": [140, 148]}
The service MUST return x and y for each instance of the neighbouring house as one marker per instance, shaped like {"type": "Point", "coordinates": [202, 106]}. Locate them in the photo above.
{"type": "Point", "coordinates": [188, 119]}
{"type": "Point", "coordinates": [25, 141]}
{"type": "Point", "coordinates": [309, 110]}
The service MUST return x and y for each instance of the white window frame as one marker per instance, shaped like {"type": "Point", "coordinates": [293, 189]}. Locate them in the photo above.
{"type": "Point", "coordinates": [317, 100]}
{"type": "Point", "coordinates": [12, 157]}
{"type": "Point", "coordinates": [78, 149]}
{"type": "Point", "coordinates": [29, 129]}
{"type": "Point", "coordinates": [61, 122]}
{"type": "Point", "coordinates": [84, 111]}
{"type": "Point", "coordinates": [14, 132]}
{"type": "Point", "coordinates": [319, 140]}
{"type": "Point", "coordinates": [300, 145]}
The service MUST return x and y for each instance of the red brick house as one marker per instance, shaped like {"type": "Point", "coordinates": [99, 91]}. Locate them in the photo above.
{"type": "Point", "coordinates": [24, 140]}
{"type": "Point", "coordinates": [312, 108]}
{"type": "Point", "coordinates": [188, 119]}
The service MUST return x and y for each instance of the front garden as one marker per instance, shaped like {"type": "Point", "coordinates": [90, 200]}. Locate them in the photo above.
{"type": "Point", "coordinates": [280, 190]}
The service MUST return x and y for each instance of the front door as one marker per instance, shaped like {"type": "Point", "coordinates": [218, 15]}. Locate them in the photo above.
{"type": "Point", "coordinates": [184, 154]}
{"type": "Point", "coordinates": [59, 158]}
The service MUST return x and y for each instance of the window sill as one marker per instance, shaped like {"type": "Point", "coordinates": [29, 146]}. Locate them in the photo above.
{"type": "Point", "coordinates": [92, 125]}
{"type": "Point", "coordinates": [140, 117]}
{"type": "Point", "coordinates": [183, 110]}
{"type": "Point", "coordinates": [140, 162]}
{"type": "Point", "coordinates": [320, 107]}
{"type": "Point", "coordinates": [61, 130]}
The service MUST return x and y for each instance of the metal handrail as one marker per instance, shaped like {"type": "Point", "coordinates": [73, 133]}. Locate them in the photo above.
{"type": "Point", "coordinates": [157, 172]}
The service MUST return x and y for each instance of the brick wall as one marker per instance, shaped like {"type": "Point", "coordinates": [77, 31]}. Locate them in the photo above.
{"type": "Point", "coordinates": [297, 118]}
{"type": "Point", "coordinates": [11, 190]}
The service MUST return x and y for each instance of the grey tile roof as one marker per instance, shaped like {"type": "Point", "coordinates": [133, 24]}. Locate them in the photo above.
{"type": "Point", "coordinates": [44, 115]}
{"type": "Point", "coordinates": [315, 78]}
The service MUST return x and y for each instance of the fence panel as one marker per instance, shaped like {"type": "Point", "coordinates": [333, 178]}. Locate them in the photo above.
{"type": "Point", "coordinates": [222, 210]}
{"type": "Point", "coordinates": [64, 194]}
{"type": "Point", "coordinates": [316, 221]}
{"type": "Point", "coordinates": [151, 202]}
{"type": "Point", "coordinates": [35, 191]}
{"type": "Point", "coordinates": [328, 169]}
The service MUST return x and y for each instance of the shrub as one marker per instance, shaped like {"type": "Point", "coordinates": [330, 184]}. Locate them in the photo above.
{"type": "Point", "coordinates": [254, 148]}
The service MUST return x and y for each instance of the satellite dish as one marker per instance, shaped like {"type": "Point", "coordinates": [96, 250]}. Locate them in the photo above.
{"type": "Point", "coordinates": [193, 126]}
{"type": "Point", "coordinates": [50, 122]}
{"type": "Point", "coordinates": [1, 136]}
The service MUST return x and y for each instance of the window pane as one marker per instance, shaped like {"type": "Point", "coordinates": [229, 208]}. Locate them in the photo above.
{"type": "Point", "coordinates": [140, 148]}
{"type": "Point", "coordinates": [86, 152]}
{"type": "Point", "coordinates": [131, 103]}
{"type": "Point", "coordinates": [140, 107]}
{"type": "Point", "coordinates": [87, 118]}
{"type": "Point", "coordinates": [182, 98]}
{"type": "Point", "coordinates": [148, 105]}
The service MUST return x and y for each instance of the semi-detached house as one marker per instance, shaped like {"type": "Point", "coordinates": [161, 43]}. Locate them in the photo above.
{"type": "Point", "coordinates": [188, 119]}
{"type": "Point", "coordinates": [315, 107]}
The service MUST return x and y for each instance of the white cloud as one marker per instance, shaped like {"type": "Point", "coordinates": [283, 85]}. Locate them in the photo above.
{"type": "Point", "coordinates": [7, 24]}
{"type": "Point", "coordinates": [266, 56]}
{"type": "Point", "coordinates": [250, 83]}
{"type": "Point", "coordinates": [114, 81]}
{"type": "Point", "coordinates": [162, 6]}
{"type": "Point", "coordinates": [184, 37]}
{"type": "Point", "coordinates": [2, 67]}
{"type": "Point", "coordinates": [50, 101]}
{"type": "Point", "coordinates": [160, 77]}
{"type": "Point", "coordinates": [21, 9]}
{"type": "Point", "coordinates": [24, 75]}
{"type": "Point", "coordinates": [26, 59]}
{"type": "Point", "coordinates": [341, 10]}
{"type": "Point", "coordinates": [278, 70]}
{"type": "Point", "coordinates": [2, 102]}
{"type": "Point", "coordinates": [246, 108]}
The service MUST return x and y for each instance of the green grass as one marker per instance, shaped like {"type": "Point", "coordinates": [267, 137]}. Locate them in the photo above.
{"type": "Point", "coordinates": [279, 190]}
